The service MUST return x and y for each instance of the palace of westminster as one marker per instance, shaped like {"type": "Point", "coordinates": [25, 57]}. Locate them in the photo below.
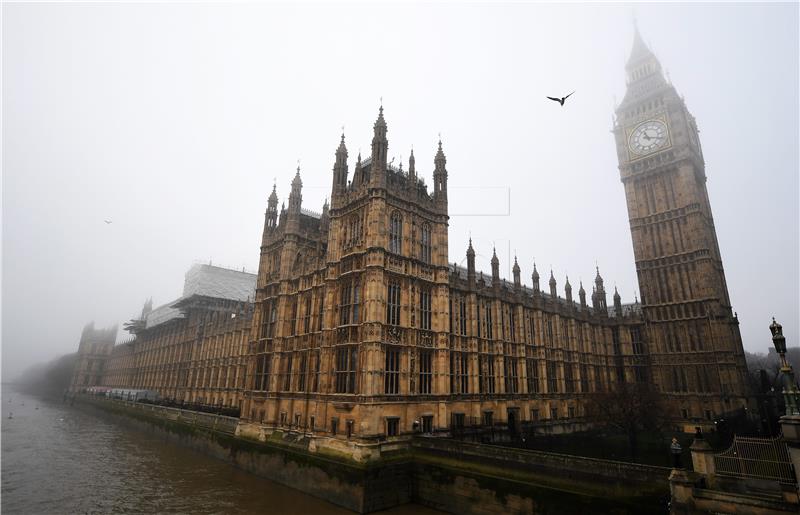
{"type": "Point", "coordinates": [357, 327]}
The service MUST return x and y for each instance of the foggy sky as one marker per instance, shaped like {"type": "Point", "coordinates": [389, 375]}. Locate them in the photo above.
{"type": "Point", "coordinates": [173, 121]}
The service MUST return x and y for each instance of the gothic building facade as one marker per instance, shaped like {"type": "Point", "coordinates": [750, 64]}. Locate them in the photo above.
{"type": "Point", "coordinates": [357, 327]}
{"type": "Point", "coordinates": [362, 329]}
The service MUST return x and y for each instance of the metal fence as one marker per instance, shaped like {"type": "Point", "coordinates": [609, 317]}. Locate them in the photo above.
{"type": "Point", "coordinates": [757, 458]}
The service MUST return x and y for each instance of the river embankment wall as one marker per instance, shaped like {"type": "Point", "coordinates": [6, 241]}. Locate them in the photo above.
{"type": "Point", "coordinates": [449, 475]}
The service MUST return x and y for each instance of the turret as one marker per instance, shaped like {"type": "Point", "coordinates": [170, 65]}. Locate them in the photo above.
{"type": "Point", "coordinates": [517, 282]}
{"type": "Point", "coordinates": [380, 150]}
{"type": "Point", "coordinates": [440, 178]}
{"type": "Point", "coordinates": [553, 292]}
{"type": "Point", "coordinates": [471, 265]}
{"type": "Point", "coordinates": [617, 303]}
{"type": "Point", "coordinates": [535, 279]}
{"type": "Point", "coordinates": [495, 268]}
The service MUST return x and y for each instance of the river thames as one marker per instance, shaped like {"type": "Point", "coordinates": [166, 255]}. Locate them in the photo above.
{"type": "Point", "coordinates": [62, 459]}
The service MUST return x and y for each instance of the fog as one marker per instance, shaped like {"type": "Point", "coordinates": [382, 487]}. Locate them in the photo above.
{"type": "Point", "coordinates": [172, 121]}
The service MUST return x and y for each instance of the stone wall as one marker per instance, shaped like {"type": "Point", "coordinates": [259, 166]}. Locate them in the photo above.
{"type": "Point", "coordinates": [453, 476]}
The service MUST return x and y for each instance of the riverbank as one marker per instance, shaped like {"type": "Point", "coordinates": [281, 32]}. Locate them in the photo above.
{"type": "Point", "coordinates": [440, 473]}
{"type": "Point", "coordinates": [62, 459]}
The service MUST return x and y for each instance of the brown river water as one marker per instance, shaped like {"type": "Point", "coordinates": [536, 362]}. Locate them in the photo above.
{"type": "Point", "coordinates": [61, 459]}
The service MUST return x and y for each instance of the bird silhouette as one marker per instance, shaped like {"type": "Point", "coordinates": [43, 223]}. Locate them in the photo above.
{"type": "Point", "coordinates": [562, 99]}
{"type": "Point", "coordinates": [107, 221]}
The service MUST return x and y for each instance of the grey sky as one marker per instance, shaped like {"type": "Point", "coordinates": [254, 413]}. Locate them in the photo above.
{"type": "Point", "coordinates": [173, 120]}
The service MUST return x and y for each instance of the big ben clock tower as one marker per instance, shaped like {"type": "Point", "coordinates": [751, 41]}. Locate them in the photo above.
{"type": "Point", "coordinates": [695, 346]}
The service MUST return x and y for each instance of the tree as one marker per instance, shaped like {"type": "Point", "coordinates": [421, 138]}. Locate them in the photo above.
{"type": "Point", "coordinates": [629, 407]}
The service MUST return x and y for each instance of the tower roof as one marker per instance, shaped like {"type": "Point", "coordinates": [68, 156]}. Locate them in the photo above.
{"type": "Point", "coordinates": [273, 197]}
{"type": "Point", "coordinates": [639, 50]}
{"type": "Point", "coordinates": [381, 121]}
{"type": "Point", "coordinates": [439, 151]}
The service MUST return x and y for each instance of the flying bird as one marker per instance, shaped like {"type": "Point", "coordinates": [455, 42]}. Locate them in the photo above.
{"type": "Point", "coordinates": [562, 99]}
{"type": "Point", "coordinates": [107, 221]}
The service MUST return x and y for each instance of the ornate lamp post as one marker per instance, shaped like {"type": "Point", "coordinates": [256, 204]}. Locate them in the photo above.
{"type": "Point", "coordinates": [790, 392]}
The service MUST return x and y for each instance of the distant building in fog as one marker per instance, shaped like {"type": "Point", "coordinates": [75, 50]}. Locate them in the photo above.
{"type": "Point", "coordinates": [94, 349]}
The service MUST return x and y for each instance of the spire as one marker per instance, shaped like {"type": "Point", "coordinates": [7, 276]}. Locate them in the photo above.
{"type": "Point", "coordinates": [515, 269]}
{"type": "Point", "coordinates": [495, 268]}
{"type": "Point", "coordinates": [470, 264]}
{"type": "Point", "coordinates": [568, 292]}
{"type": "Point", "coordinates": [617, 303]}
{"type": "Point", "coordinates": [639, 49]}
{"type": "Point", "coordinates": [553, 292]}
{"type": "Point", "coordinates": [342, 150]}
{"type": "Point", "coordinates": [325, 217]}
{"type": "Point", "coordinates": [340, 169]}
{"type": "Point", "coordinates": [380, 149]}
{"type": "Point", "coordinates": [599, 296]}
{"type": "Point", "coordinates": [273, 197]}
{"type": "Point", "coordinates": [271, 216]}
{"type": "Point", "coordinates": [358, 173]}
{"type": "Point", "coordinates": [440, 176]}
{"type": "Point", "coordinates": [642, 64]}
{"type": "Point", "coordinates": [412, 169]}
{"type": "Point", "coordinates": [296, 197]}
{"type": "Point", "coordinates": [535, 279]}
{"type": "Point", "coordinates": [582, 296]}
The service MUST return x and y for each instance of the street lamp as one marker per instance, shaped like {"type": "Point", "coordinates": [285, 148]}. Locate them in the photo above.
{"type": "Point", "coordinates": [790, 393]}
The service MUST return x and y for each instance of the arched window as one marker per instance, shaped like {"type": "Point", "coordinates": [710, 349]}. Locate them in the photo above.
{"type": "Point", "coordinates": [396, 233]}
{"type": "Point", "coordinates": [425, 243]}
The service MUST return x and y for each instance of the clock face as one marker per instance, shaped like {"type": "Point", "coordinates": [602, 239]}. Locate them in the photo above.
{"type": "Point", "coordinates": [648, 137]}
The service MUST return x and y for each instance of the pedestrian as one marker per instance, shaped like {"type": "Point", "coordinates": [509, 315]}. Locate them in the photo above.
{"type": "Point", "coordinates": [676, 450]}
